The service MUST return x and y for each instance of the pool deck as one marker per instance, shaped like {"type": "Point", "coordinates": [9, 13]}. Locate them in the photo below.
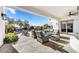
{"type": "Point", "coordinates": [7, 48]}
{"type": "Point", "coordinates": [30, 45]}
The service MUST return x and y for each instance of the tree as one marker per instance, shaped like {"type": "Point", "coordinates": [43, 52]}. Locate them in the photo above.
{"type": "Point", "coordinates": [46, 26]}
{"type": "Point", "coordinates": [11, 20]}
{"type": "Point", "coordinates": [25, 24]}
{"type": "Point", "coordinates": [9, 28]}
{"type": "Point", "coordinates": [19, 22]}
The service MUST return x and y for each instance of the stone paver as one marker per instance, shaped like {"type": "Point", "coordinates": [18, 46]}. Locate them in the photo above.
{"type": "Point", "coordinates": [7, 48]}
{"type": "Point", "coordinates": [30, 45]}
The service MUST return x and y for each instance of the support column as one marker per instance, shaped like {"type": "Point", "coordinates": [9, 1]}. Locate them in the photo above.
{"type": "Point", "coordinates": [2, 27]}
{"type": "Point", "coordinates": [1, 10]}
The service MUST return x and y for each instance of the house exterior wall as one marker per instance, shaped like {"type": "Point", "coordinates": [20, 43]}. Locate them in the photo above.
{"type": "Point", "coordinates": [2, 31]}
{"type": "Point", "coordinates": [54, 23]}
{"type": "Point", "coordinates": [2, 28]}
{"type": "Point", "coordinates": [76, 26]}
{"type": "Point", "coordinates": [0, 12]}
{"type": "Point", "coordinates": [74, 40]}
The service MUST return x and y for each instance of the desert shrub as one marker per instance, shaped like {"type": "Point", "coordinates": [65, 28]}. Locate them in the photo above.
{"type": "Point", "coordinates": [10, 37]}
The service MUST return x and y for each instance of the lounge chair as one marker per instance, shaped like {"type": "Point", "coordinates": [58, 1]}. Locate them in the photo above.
{"type": "Point", "coordinates": [34, 34]}
{"type": "Point", "coordinates": [41, 37]}
{"type": "Point", "coordinates": [55, 35]}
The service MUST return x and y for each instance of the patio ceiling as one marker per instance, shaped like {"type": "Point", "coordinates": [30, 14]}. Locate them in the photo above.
{"type": "Point", "coordinates": [57, 12]}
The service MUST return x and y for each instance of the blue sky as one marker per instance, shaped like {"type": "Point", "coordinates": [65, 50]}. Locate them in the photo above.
{"type": "Point", "coordinates": [33, 19]}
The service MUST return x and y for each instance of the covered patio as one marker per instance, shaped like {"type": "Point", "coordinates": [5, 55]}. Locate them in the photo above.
{"type": "Point", "coordinates": [63, 18]}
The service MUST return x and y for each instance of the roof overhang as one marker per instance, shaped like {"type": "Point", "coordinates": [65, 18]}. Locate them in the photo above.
{"type": "Point", "coordinates": [50, 12]}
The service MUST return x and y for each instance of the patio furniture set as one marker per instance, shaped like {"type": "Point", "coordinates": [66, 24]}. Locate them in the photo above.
{"type": "Point", "coordinates": [43, 36]}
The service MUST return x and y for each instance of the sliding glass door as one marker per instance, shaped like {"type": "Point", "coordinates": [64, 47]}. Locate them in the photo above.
{"type": "Point", "coordinates": [67, 27]}
{"type": "Point", "coordinates": [63, 27]}
{"type": "Point", "coordinates": [70, 27]}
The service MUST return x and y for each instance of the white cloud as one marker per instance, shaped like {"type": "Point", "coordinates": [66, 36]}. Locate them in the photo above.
{"type": "Point", "coordinates": [9, 9]}
{"type": "Point", "coordinates": [12, 10]}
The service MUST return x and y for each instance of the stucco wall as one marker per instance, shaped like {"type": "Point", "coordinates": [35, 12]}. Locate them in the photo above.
{"type": "Point", "coordinates": [1, 10]}
{"type": "Point", "coordinates": [2, 31]}
{"type": "Point", "coordinates": [74, 41]}
{"type": "Point", "coordinates": [2, 28]}
{"type": "Point", "coordinates": [55, 24]}
{"type": "Point", "coordinates": [76, 26]}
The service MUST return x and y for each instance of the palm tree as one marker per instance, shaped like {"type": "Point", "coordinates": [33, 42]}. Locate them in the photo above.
{"type": "Point", "coordinates": [11, 20]}
{"type": "Point", "coordinates": [19, 22]}
{"type": "Point", "coordinates": [26, 24]}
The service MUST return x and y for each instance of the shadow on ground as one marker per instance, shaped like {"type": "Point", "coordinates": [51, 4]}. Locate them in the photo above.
{"type": "Point", "coordinates": [7, 48]}
{"type": "Point", "coordinates": [55, 46]}
{"type": "Point", "coordinates": [63, 42]}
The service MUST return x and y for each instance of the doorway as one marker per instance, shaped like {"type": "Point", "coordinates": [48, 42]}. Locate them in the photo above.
{"type": "Point", "coordinates": [67, 27]}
